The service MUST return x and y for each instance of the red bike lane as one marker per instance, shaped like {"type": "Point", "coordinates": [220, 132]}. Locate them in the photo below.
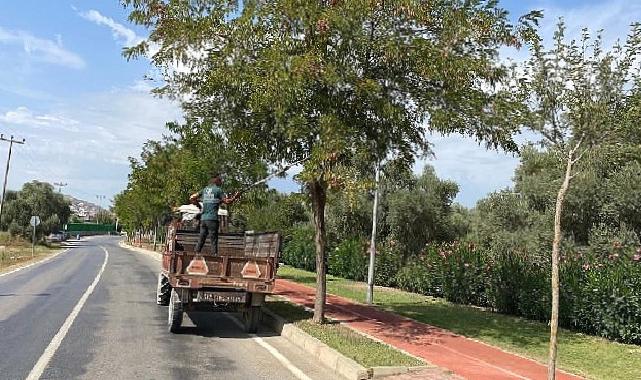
{"type": "Point", "coordinates": [463, 356]}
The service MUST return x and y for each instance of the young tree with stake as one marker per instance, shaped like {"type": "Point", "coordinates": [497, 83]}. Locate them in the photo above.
{"type": "Point", "coordinates": [576, 94]}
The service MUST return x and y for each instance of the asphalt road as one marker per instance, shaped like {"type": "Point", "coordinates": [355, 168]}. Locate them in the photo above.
{"type": "Point", "coordinates": [120, 332]}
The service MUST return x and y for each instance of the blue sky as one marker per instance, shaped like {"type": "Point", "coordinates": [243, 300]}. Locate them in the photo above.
{"type": "Point", "coordinates": [84, 109]}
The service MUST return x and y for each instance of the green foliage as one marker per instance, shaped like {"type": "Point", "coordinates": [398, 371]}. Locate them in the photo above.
{"type": "Point", "coordinates": [272, 211]}
{"type": "Point", "coordinates": [35, 198]}
{"type": "Point", "coordinates": [349, 259]}
{"type": "Point", "coordinates": [606, 190]}
{"type": "Point", "coordinates": [348, 219]}
{"type": "Point", "coordinates": [169, 171]}
{"type": "Point", "coordinates": [420, 277]}
{"type": "Point", "coordinates": [422, 212]}
{"type": "Point", "coordinates": [105, 217]}
{"type": "Point", "coordinates": [282, 80]}
{"type": "Point", "coordinates": [300, 251]}
{"type": "Point", "coordinates": [389, 260]}
{"type": "Point", "coordinates": [600, 284]}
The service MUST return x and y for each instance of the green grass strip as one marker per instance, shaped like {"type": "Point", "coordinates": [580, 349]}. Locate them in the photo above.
{"type": "Point", "coordinates": [365, 351]}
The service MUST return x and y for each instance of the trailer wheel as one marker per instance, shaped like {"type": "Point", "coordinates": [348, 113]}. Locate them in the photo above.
{"type": "Point", "coordinates": [175, 312]}
{"type": "Point", "coordinates": [163, 290]}
{"type": "Point", "coordinates": [252, 318]}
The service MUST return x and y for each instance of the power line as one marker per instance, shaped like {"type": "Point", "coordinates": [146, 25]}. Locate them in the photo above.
{"type": "Point", "coordinates": [6, 172]}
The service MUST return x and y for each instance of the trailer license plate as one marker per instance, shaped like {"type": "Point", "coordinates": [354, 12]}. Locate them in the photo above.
{"type": "Point", "coordinates": [222, 297]}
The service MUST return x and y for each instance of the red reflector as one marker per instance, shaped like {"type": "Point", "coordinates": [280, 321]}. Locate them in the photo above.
{"type": "Point", "coordinates": [251, 270]}
{"type": "Point", "coordinates": [198, 265]}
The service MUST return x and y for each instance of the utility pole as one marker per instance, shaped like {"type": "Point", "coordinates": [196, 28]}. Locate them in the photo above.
{"type": "Point", "coordinates": [6, 172]}
{"type": "Point", "coordinates": [372, 245]}
{"type": "Point", "coordinates": [60, 186]}
{"type": "Point", "coordinates": [99, 198]}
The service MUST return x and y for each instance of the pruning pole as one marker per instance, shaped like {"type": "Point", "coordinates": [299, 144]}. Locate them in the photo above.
{"type": "Point", "coordinates": [372, 245]}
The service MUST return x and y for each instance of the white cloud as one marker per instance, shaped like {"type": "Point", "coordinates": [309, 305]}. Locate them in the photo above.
{"type": "Point", "coordinates": [121, 33]}
{"type": "Point", "coordinates": [614, 17]}
{"type": "Point", "coordinates": [42, 49]}
{"type": "Point", "coordinates": [86, 141]}
{"type": "Point", "coordinates": [24, 116]}
{"type": "Point", "coordinates": [478, 171]}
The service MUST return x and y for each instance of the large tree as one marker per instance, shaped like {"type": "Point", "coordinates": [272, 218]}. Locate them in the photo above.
{"type": "Point", "coordinates": [579, 94]}
{"type": "Point", "coordinates": [171, 169]}
{"type": "Point", "coordinates": [334, 82]}
{"type": "Point", "coordinates": [35, 198]}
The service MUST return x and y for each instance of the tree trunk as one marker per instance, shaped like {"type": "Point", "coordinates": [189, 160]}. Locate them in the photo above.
{"type": "Point", "coordinates": [556, 248]}
{"type": "Point", "coordinates": [319, 196]}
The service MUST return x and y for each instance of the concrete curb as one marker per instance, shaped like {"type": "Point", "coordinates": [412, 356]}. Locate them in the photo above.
{"type": "Point", "coordinates": [340, 364]}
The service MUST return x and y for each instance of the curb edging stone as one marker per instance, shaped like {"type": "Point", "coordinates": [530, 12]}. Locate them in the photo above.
{"type": "Point", "coordinates": [329, 357]}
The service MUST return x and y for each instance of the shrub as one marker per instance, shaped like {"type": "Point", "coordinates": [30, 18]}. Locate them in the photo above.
{"type": "Point", "coordinates": [464, 277]}
{"type": "Point", "coordinates": [388, 262]}
{"type": "Point", "coordinates": [349, 260]}
{"type": "Point", "coordinates": [5, 238]}
{"type": "Point", "coordinates": [608, 286]}
{"type": "Point", "coordinates": [299, 251]}
{"type": "Point", "coordinates": [416, 277]}
{"type": "Point", "coordinates": [600, 284]}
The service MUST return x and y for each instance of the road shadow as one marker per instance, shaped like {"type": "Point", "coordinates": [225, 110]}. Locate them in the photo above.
{"type": "Point", "coordinates": [219, 325]}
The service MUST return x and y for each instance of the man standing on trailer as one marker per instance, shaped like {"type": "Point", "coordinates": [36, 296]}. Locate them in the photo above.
{"type": "Point", "coordinates": [211, 197]}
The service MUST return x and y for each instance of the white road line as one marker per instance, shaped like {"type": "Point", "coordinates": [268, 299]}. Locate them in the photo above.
{"type": "Point", "coordinates": [36, 263]}
{"type": "Point", "coordinates": [273, 351]}
{"type": "Point", "coordinates": [53, 346]}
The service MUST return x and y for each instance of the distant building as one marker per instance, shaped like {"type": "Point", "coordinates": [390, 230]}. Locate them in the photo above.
{"type": "Point", "coordinates": [83, 210]}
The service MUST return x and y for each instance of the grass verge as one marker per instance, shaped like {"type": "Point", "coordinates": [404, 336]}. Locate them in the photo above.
{"type": "Point", "coordinates": [365, 351]}
{"type": "Point", "coordinates": [13, 256]}
{"type": "Point", "coordinates": [589, 356]}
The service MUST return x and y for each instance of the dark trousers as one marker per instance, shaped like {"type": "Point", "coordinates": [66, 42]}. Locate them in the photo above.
{"type": "Point", "coordinates": [208, 227]}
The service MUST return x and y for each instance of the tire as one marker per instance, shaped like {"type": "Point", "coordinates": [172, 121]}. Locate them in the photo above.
{"type": "Point", "coordinates": [252, 318]}
{"type": "Point", "coordinates": [163, 290]}
{"type": "Point", "coordinates": [175, 314]}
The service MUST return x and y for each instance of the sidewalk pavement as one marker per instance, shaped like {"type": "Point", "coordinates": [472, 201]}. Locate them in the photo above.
{"type": "Point", "coordinates": [465, 357]}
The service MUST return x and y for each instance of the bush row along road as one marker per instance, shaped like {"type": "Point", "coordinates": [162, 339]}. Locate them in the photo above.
{"type": "Point", "coordinates": [119, 332]}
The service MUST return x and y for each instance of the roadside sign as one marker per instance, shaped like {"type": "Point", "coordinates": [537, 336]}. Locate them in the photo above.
{"type": "Point", "coordinates": [35, 220]}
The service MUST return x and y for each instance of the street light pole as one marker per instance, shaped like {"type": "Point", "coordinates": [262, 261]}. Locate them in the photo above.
{"type": "Point", "coordinates": [372, 245]}
{"type": "Point", "coordinates": [99, 198]}
{"type": "Point", "coordinates": [33, 241]}
{"type": "Point", "coordinates": [6, 172]}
